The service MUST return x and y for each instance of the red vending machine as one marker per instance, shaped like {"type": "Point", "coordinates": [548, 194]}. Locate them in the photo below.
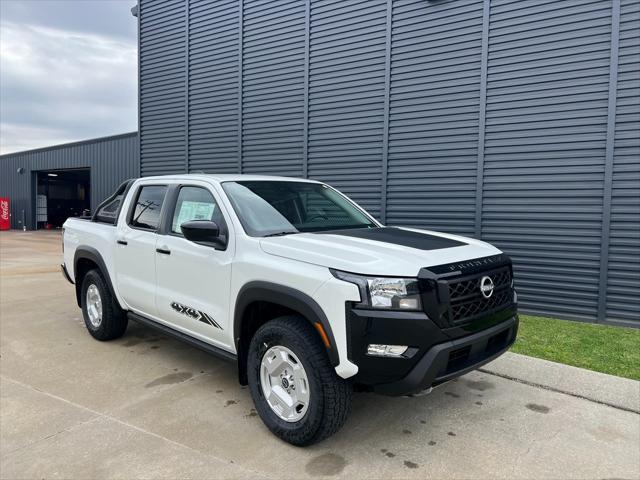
{"type": "Point", "coordinates": [5, 220]}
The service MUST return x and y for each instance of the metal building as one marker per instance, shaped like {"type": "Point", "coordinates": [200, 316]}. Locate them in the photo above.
{"type": "Point", "coordinates": [47, 185]}
{"type": "Point", "coordinates": [514, 121]}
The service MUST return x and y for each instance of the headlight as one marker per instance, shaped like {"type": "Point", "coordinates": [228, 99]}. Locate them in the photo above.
{"type": "Point", "coordinates": [389, 293]}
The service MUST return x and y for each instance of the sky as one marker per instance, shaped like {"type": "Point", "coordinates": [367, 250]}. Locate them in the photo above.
{"type": "Point", "coordinates": [68, 71]}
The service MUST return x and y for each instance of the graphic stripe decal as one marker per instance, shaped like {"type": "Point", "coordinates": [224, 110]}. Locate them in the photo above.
{"type": "Point", "coordinates": [397, 236]}
{"type": "Point", "coordinates": [195, 314]}
{"type": "Point", "coordinates": [207, 319]}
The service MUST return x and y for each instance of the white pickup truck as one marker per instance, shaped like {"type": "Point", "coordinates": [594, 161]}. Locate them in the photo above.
{"type": "Point", "coordinates": [309, 294]}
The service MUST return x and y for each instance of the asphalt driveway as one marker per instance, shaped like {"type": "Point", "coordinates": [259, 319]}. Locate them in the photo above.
{"type": "Point", "coordinates": [146, 406]}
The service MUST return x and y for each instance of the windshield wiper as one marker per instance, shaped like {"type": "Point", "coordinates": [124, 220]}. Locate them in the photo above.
{"type": "Point", "coordinates": [278, 234]}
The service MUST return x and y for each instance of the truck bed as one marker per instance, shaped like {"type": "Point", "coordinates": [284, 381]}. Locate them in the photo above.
{"type": "Point", "coordinates": [98, 236]}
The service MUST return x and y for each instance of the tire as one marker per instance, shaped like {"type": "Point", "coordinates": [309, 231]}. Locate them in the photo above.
{"type": "Point", "coordinates": [329, 396]}
{"type": "Point", "coordinates": [113, 320]}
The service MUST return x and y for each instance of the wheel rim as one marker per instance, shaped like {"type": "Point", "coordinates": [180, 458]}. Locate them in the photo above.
{"type": "Point", "coordinates": [284, 383]}
{"type": "Point", "coordinates": [94, 306]}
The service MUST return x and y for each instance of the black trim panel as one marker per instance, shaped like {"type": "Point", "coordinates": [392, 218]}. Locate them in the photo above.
{"type": "Point", "coordinates": [207, 347]}
{"type": "Point", "coordinates": [65, 274]}
{"type": "Point", "coordinates": [287, 297]}
{"type": "Point", "coordinates": [397, 236]}
{"type": "Point", "coordinates": [365, 327]}
{"type": "Point", "coordinates": [123, 189]}
{"type": "Point", "coordinates": [169, 205]}
{"type": "Point", "coordinates": [90, 253]}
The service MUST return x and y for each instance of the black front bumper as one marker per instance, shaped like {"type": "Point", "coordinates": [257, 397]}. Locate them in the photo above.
{"type": "Point", "coordinates": [435, 355]}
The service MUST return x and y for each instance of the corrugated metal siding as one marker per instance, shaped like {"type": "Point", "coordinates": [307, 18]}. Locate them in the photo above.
{"type": "Point", "coordinates": [548, 79]}
{"type": "Point", "coordinates": [479, 117]}
{"type": "Point", "coordinates": [346, 97]}
{"type": "Point", "coordinates": [111, 160]}
{"type": "Point", "coordinates": [273, 87]}
{"type": "Point", "coordinates": [623, 285]}
{"type": "Point", "coordinates": [433, 125]}
{"type": "Point", "coordinates": [163, 74]}
{"type": "Point", "coordinates": [213, 86]}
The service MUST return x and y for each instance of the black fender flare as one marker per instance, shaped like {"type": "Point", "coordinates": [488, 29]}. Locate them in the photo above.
{"type": "Point", "coordinates": [287, 297]}
{"type": "Point", "coordinates": [90, 253]}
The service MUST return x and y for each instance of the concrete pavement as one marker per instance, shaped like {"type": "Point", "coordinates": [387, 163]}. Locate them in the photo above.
{"type": "Point", "coordinates": [617, 392]}
{"type": "Point", "coordinates": [146, 406]}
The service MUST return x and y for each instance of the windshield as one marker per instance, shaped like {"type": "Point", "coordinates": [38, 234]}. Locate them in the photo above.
{"type": "Point", "coordinates": [278, 208]}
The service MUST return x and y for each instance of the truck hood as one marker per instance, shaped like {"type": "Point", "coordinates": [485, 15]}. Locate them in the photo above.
{"type": "Point", "coordinates": [391, 251]}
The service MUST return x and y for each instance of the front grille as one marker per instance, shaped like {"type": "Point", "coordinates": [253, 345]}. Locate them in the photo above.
{"type": "Point", "coordinates": [466, 301]}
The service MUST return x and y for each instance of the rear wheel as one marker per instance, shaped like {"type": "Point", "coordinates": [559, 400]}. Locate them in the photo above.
{"type": "Point", "coordinates": [294, 387]}
{"type": "Point", "coordinates": [103, 317]}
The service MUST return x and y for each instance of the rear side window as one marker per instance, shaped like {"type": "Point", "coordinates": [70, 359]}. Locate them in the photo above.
{"type": "Point", "coordinates": [146, 213]}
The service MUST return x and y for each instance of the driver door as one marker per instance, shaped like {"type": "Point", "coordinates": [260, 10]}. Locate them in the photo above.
{"type": "Point", "coordinates": [193, 280]}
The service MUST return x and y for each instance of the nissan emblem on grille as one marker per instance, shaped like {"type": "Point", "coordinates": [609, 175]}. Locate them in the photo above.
{"type": "Point", "coordinates": [486, 286]}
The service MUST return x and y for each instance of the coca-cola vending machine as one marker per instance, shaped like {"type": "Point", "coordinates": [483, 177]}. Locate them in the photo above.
{"type": "Point", "coordinates": [5, 220]}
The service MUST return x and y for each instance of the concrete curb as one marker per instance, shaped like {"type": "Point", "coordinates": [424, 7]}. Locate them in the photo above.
{"type": "Point", "coordinates": [617, 392]}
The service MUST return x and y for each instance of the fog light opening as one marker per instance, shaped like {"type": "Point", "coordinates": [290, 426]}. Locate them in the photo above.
{"type": "Point", "coordinates": [377, 350]}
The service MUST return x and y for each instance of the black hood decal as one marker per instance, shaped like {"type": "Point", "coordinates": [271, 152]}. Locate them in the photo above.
{"type": "Point", "coordinates": [397, 236]}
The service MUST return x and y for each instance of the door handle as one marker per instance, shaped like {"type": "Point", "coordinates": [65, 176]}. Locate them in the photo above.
{"type": "Point", "coordinates": [163, 251]}
{"type": "Point", "coordinates": [122, 242]}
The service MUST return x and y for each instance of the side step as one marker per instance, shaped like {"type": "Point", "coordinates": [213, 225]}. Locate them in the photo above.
{"type": "Point", "coordinates": [213, 350]}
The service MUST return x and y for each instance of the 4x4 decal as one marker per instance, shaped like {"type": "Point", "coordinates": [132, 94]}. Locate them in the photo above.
{"type": "Point", "coordinates": [195, 314]}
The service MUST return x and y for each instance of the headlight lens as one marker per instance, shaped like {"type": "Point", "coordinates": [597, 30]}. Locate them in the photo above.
{"type": "Point", "coordinates": [389, 293]}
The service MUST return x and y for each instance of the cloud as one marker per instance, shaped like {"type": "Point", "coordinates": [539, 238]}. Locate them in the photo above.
{"type": "Point", "coordinates": [59, 85]}
{"type": "Point", "coordinates": [110, 18]}
{"type": "Point", "coordinates": [20, 137]}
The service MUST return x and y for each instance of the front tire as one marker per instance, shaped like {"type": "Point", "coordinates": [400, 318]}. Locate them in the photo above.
{"type": "Point", "coordinates": [294, 387]}
{"type": "Point", "coordinates": [103, 317]}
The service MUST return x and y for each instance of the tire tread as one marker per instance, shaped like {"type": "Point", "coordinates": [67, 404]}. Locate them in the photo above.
{"type": "Point", "coordinates": [336, 392]}
{"type": "Point", "coordinates": [114, 320]}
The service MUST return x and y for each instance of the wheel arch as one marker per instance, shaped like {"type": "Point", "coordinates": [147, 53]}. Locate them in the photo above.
{"type": "Point", "coordinates": [282, 300]}
{"type": "Point", "coordinates": [85, 259]}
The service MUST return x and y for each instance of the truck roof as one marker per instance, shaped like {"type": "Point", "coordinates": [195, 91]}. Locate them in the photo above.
{"type": "Point", "coordinates": [227, 177]}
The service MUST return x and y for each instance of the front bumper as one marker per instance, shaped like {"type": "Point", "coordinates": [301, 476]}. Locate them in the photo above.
{"type": "Point", "coordinates": [435, 355]}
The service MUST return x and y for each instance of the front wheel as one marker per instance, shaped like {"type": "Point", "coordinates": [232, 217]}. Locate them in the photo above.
{"type": "Point", "coordinates": [294, 387]}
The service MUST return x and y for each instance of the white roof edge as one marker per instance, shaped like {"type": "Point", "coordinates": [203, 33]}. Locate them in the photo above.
{"type": "Point", "coordinates": [227, 177]}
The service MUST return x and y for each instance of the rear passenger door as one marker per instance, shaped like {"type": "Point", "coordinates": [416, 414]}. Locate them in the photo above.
{"type": "Point", "coordinates": [193, 280]}
{"type": "Point", "coordinates": [135, 253]}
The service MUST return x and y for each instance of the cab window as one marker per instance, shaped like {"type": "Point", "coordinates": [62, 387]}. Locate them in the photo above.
{"type": "Point", "coordinates": [196, 203]}
{"type": "Point", "coordinates": [146, 214]}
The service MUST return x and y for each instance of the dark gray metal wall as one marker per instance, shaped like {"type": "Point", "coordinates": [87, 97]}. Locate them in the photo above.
{"type": "Point", "coordinates": [111, 160]}
{"type": "Point", "coordinates": [516, 121]}
{"type": "Point", "coordinates": [622, 264]}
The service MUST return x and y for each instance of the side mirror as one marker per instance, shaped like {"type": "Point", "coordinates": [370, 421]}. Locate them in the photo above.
{"type": "Point", "coordinates": [204, 232]}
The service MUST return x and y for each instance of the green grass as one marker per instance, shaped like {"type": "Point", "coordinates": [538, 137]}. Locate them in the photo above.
{"type": "Point", "coordinates": [607, 349]}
